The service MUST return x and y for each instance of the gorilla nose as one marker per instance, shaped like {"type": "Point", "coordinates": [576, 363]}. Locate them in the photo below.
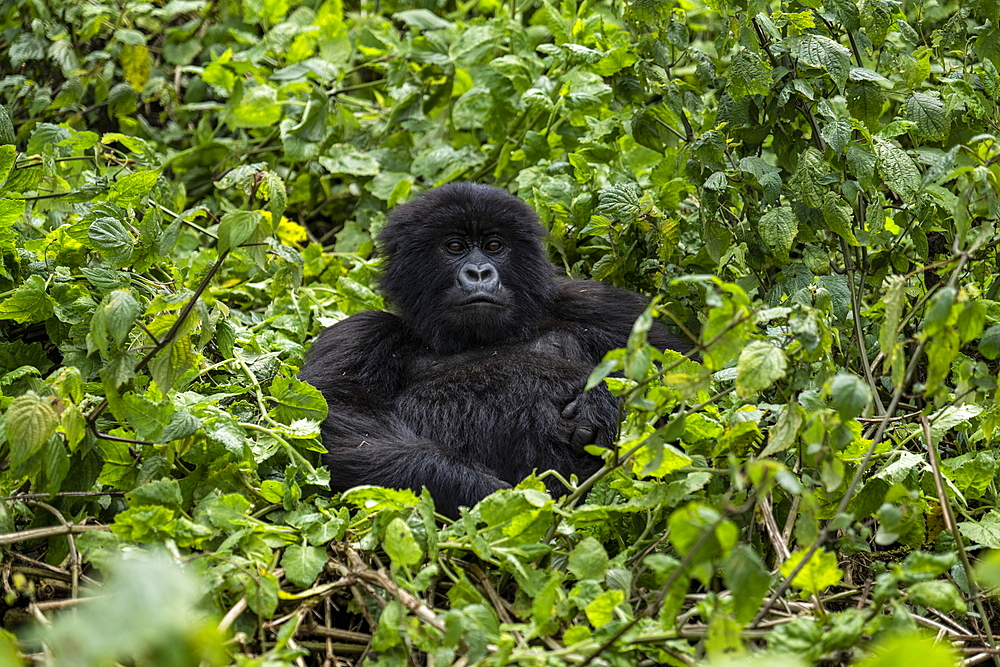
{"type": "Point", "coordinates": [478, 277]}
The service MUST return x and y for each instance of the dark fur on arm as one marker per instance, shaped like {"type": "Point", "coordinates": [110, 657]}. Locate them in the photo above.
{"type": "Point", "coordinates": [358, 366]}
{"type": "Point", "coordinates": [603, 316]}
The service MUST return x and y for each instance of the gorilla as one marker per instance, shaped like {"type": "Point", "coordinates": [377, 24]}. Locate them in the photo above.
{"type": "Point", "coordinates": [476, 378]}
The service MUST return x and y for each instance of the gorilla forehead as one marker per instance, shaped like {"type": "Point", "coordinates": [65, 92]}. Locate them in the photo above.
{"type": "Point", "coordinates": [471, 209]}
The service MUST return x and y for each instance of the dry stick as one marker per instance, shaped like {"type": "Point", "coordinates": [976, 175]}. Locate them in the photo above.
{"type": "Point", "coordinates": [949, 522]}
{"type": "Point", "coordinates": [74, 555]}
{"type": "Point", "coordinates": [50, 531]}
{"type": "Point", "coordinates": [234, 613]}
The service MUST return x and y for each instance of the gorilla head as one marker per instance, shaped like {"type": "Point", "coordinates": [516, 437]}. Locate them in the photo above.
{"type": "Point", "coordinates": [465, 267]}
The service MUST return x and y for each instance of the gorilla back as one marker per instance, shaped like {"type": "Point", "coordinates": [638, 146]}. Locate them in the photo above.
{"type": "Point", "coordinates": [477, 377]}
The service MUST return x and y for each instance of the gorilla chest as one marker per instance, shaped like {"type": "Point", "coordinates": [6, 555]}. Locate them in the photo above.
{"type": "Point", "coordinates": [503, 398]}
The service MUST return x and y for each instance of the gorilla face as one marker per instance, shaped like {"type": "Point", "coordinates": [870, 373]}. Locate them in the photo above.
{"type": "Point", "coordinates": [470, 264]}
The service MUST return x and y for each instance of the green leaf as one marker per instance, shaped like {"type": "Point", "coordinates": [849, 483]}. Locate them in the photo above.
{"type": "Point", "coordinates": [898, 170]}
{"type": "Point", "coordinates": [400, 544]}
{"type": "Point", "coordinates": [303, 564]}
{"type": "Point", "coordinates": [818, 574]}
{"type": "Point", "coordinates": [785, 430]}
{"type": "Point", "coordinates": [749, 74]}
{"type": "Point", "coordinates": [760, 364]}
{"type": "Point", "coordinates": [261, 591]}
{"type": "Point", "coordinates": [848, 16]}
{"type": "Point", "coordinates": [778, 228]}
{"type": "Point", "coordinates": [30, 421]}
{"type": "Point", "coordinates": [109, 237]}
{"type": "Point", "coordinates": [346, 159]}
{"type": "Point", "coordinates": [687, 526]}
{"type": "Point", "coordinates": [989, 344]}
{"type": "Point", "coordinates": [164, 492]}
{"type": "Point", "coordinates": [865, 101]}
{"type": "Point", "coordinates": [838, 218]}
{"type": "Point", "coordinates": [588, 560]}
{"type": "Point", "coordinates": [928, 114]}
{"type": "Point", "coordinates": [113, 319]}
{"type": "Point", "coordinates": [895, 650]}
{"type": "Point", "coordinates": [985, 531]}
{"type": "Point", "coordinates": [259, 107]}
{"type": "Point", "coordinates": [748, 579]}
{"type": "Point", "coordinates": [849, 395]}
{"type": "Point", "coordinates": [8, 154]}
{"type": "Point", "coordinates": [823, 52]}
{"type": "Point", "coordinates": [297, 400]}
{"type": "Point", "coordinates": [236, 227]}
{"type": "Point", "coordinates": [620, 202]}
{"type": "Point", "coordinates": [129, 190]}
{"type": "Point", "coordinates": [28, 303]}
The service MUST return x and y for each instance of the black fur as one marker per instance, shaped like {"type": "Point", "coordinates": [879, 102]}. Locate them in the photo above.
{"type": "Point", "coordinates": [478, 378]}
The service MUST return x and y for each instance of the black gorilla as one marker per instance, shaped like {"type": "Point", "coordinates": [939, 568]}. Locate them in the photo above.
{"type": "Point", "coordinates": [477, 378]}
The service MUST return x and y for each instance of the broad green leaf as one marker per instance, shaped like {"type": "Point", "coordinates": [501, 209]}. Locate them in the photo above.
{"type": "Point", "coordinates": [910, 649]}
{"type": "Point", "coordinates": [778, 228]}
{"type": "Point", "coordinates": [989, 344]}
{"type": "Point", "coordinates": [400, 544]}
{"type": "Point", "coordinates": [346, 159]}
{"type": "Point", "coordinates": [303, 564]}
{"type": "Point", "coordinates": [928, 114]}
{"type": "Point", "coordinates": [893, 302]}
{"type": "Point", "coordinates": [985, 531]}
{"type": "Point", "coordinates": [783, 433]}
{"type": "Point", "coordinates": [261, 591]}
{"type": "Point", "coordinates": [687, 526]}
{"type": "Point", "coordinates": [30, 420]}
{"type": "Point", "coordinates": [28, 303]}
{"type": "Point", "coordinates": [588, 560]}
{"type": "Point", "coordinates": [838, 218]}
{"type": "Point", "coordinates": [8, 154]}
{"type": "Point", "coordinates": [823, 52]}
{"type": "Point", "coordinates": [113, 319]}
{"type": "Point", "coordinates": [760, 364]}
{"type": "Point", "coordinates": [109, 237]}
{"type": "Point", "coordinates": [897, 168]}
{"type": "Point", "coordinates": [129, 190]}
{"type": "Point", "coordinates": [236, 227]}
{"type": "Point", "coordinates": [849, 395]}
{"type": "Point", "coordinates": [297, 400]}
{"type": "Point", "coordinates": [259, 107]}
{"type": "Point", "coordinates": [749, 74]}
{"type": "Point", "coordinates": [748, 580]}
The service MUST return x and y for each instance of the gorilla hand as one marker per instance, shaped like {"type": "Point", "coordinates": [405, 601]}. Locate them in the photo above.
{"type": "Point", "coordinates": [585, 432]}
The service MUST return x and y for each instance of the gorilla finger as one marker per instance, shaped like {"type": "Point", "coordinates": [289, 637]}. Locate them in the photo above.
{"type": "Point", "coordinates": [585, 434]}
{"type": "Point", "coordinates": [572, 408]}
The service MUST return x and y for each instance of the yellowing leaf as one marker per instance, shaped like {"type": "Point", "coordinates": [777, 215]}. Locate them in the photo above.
{"type": "Point", "coordinates": [135, 65]}
{"type": "Point", "coordinates": [819, 573]}
{"type": "Point", "coordinates": [601, 610]}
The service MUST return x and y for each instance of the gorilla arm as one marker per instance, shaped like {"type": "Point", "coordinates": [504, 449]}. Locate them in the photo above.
{"type": "Point", "coordinates": [359, 366]}
{"type": "Point", "coordinates": [601, 317]}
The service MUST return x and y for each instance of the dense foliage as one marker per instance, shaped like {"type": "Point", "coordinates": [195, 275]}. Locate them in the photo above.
{"type": "Point", "coordinates": [809, 189]}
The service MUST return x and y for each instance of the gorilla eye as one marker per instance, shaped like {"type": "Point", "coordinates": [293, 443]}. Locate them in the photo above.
{"type": "Point", "coordinates": [455, 246]}
{"type": "Point", "coordinates": [493, 245]}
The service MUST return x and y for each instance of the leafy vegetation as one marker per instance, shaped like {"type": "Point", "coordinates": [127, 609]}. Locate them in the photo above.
{"type": "Point", "coordinates": [188, 192]}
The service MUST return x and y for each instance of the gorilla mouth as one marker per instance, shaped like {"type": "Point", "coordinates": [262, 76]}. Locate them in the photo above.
{"type": "Point", "coordinates": [481, 300]}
